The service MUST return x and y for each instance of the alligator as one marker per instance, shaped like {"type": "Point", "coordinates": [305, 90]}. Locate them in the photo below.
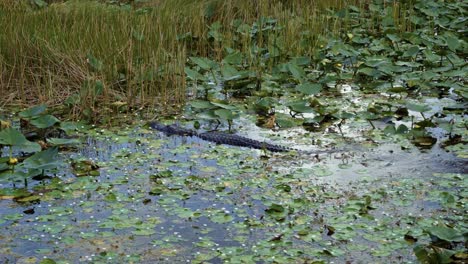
{"type": "Point", "coordinates": [236, 140]}
{"type": "Point", "coordinates": [218, 137]}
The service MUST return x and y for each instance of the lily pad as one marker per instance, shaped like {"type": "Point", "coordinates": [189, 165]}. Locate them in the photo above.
{"type": "Point", "coordinates": [418, 108]}
{"type": "Point", "coordinates": [300, 107]}
{"type": "Point", "coordinates": [44, 121]}
{"type": "Point", "coordinates": [43, 160]}
{"type": "Point", "coordinates": [309, 88]}
{"type": "Point", "coordinates": [33, 111]}
{"type": "Point", "coordinates": [446, 233]}
{"type": "Point", "coordinates": [11, 137]}
{"type": "Point", "coordinates": [203, 63]}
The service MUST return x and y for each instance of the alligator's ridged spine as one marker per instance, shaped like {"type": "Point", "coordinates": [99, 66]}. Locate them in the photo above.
{"type": "Point", "coordinates": [218, 137]}
{"type": "Point", "coordinates": [236, 140]}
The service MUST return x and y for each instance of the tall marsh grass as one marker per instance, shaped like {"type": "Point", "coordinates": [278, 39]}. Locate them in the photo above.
{"type": "Point", "coordinates": [135, 52]}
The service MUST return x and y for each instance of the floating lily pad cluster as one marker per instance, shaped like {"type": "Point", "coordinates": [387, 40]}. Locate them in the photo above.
{"type": "Point", "coordinates": [26, 157]}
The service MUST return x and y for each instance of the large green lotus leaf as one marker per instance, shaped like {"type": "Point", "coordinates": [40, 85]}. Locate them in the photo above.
{"type": "Point", "coordinates": [446, 233]}
{"type": "Point", "coordinates": [234, 58]}
{"type": "Point", "coordinates": [417, 107]}
{"type": "Point", "coordinates": [33, 111]}
{"type": "Point", "coordinates": [194, 75]}
{"type": "Point", "coordinates": [209, 115]}
{"type": "Point", "coordinates": [286, 121]}
{"type": "Point", "coordinates": [392, 130]}
{"type": "Point", "coordinates": [224, 106]}
{"type": "Point", "coordinates": [393, 37]}
{"type": "Point", "coordinates": [225, 114]}
{"type": "Point", "coordinates": [229, 71]}
{"type": "Point", "coordinates": [69, 127]}
{"type": "Point", "coordinates": [300, 107]}
{"type": "Point", "coordinates": [201, 104]}
{"type": "Point", "coordinates": [408, 64]}
{"type": "Point", "coordinates": [44, 121]}
{"type": "Point", "coordinates": [443, 69]}
{"type": "Point", "coordinates": [203, 63]}
{"type": "Point", "coordinates": [370, 72]}
{"type": "Point", "coordinates": [309, 88]}
{"type": "Point", "coordinates": [239, 76]}
{"type": "Point", "coordinates": [28, 147]}
{"type": "Point", "coordinates": [266, 102]}
{"type": "Point", "coordinates": [428, 75]}
{"type": "Point", "coordinates": [347, 51]}
{"type": "Point", "coordinates": [411, 51]}
{"type": "Point", "coordinates": [368, 115]}
{"type": "Point", "coordinates": [390, 69]}
{"type": "Point", "coordinates": [460, 72]}
{"type": "Point", "coordinates": [427, 255]}
{"type": "Point", "coordinates": [12, 137]}
{"type": "Point", "coordinates": [376, 61]}
{"type": "Point", "coordinates": [431, 56]}
{"type": "Point", "coordinates": [301, 61]}
{"type": "Point", "coordinates": [296, 71]}
{"type": "Point", "coordinates": [343, 115]}
{"type": "Point", "coordinates": [4, 166]}
{"type": "Point", "coordinates": [453, 42]}
{"type": "Point", "coordinates": [43, 160]}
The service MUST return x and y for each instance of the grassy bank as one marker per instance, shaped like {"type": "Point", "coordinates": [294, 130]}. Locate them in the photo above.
{"type": "Point", "coordinates": [90, 53]}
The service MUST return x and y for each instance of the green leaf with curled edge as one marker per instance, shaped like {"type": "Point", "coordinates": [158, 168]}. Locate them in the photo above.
{"type": "Point", "coordinates": [12, 137]}
{"type": "Point", "coordinates": [204, 63]}
{"type": "Point", "coordinates": [33, 111]}
{"type": "Point", "coordinates": [309, 88]}
{"type": "Point", "coordinates": [44, 121]}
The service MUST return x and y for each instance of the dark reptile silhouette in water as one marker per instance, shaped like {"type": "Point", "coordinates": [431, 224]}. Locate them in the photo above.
{"type": "Point", "coordinates": [218, 137]}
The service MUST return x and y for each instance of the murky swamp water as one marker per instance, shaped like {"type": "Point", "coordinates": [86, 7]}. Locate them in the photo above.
{"type": "Point", "coordinates": [181, 199]}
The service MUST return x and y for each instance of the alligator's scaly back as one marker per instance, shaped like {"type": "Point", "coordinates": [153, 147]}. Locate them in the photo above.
{"type": "Point", "coordinates": [218, 137]}
{"type": "Point", "coordinates": [236, 140]}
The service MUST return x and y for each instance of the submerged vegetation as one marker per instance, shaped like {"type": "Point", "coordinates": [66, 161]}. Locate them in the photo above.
{"type": "Point", "coordinates": [380, 85]}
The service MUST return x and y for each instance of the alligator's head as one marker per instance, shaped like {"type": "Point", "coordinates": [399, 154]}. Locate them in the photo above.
{"type": "Point", "coordinates": [158, 126]}
{"type": "Point", "coordinates": [172, 129]}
